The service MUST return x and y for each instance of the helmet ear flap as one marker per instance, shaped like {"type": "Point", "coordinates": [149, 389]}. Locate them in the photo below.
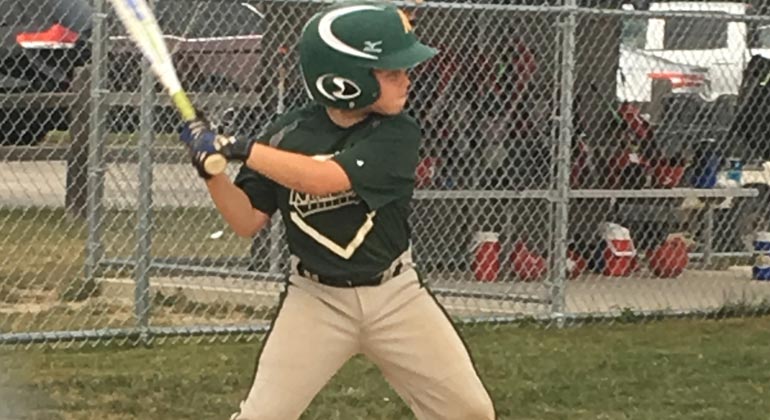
{"type": "Point", "coordinates": [375, 91]}
{"type": "Point", "coordinates": [353, 89]}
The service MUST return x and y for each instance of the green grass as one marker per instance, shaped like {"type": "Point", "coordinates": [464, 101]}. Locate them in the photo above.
{"type": "Point", "coordinates": [42, 255]}
{"type": "Point", "coordinates": [56, 240]}
{"type": "Point", "coordinates": [674, 369]}
{"type": "Point", "coordinates": [51, 239]}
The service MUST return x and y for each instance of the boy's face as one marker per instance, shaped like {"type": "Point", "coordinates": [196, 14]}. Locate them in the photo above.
{"type": "Point", "coordinates": [394, 89]}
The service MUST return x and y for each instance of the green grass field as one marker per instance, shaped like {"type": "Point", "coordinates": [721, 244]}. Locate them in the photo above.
{"type": "Point", "coordinates": [56, 241]}
{"type": "Point", "coordinates": [674, 369]}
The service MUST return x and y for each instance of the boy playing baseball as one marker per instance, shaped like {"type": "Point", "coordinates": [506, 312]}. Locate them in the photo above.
{"type": "Point", "coordinates": [341, 172]}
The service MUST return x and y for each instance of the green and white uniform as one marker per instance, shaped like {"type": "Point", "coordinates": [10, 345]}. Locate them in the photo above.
{"type": "Point", "coordinates": [352, 287]}
{"type": "Point", "coordinates": [355, 234]}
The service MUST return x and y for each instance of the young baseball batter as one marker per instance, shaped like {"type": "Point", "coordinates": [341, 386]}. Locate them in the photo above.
{"type": "Point", "coordinates": [341, 172]}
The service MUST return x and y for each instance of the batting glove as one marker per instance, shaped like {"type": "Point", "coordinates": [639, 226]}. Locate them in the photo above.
{"type": "Point", "coordinates": [200, 139]}
{"type": "Point", "coordinates": [203, 141]}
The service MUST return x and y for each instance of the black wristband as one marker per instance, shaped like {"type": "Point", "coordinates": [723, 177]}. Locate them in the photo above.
{"type": "Point", "coordinates": [233, 148]}
{"type": "Point", "coordinates": [197, 161]}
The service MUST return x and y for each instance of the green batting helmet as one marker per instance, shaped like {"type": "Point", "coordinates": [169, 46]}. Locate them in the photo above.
{"type": "Point", "coordinates": [341, 45]}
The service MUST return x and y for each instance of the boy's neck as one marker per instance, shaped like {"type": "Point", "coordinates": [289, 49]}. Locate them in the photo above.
{"type": "Point", "coordinates": [347, 118]}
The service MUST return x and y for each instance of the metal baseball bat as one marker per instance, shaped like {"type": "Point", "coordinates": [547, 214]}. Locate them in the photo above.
{"type": "Point", "coordinates": [142, 27]}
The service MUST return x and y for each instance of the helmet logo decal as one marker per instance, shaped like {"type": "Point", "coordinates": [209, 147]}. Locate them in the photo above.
{"type": "Point", "coordinates": [405, 21]}
{"type": "Point", "coordinates": [346, 88]}
{"type": "Point", "coordinates": [328, 37]}
{"type": "Point", "coordinates": [373, 46]}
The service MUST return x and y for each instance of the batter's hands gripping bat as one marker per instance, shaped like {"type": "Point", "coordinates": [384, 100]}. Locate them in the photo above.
{"type": "Point", "coordinates": [142, 27]}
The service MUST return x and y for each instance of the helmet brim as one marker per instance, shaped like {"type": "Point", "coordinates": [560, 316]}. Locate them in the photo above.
{"type": "Point", "coordinates": [405, 59]}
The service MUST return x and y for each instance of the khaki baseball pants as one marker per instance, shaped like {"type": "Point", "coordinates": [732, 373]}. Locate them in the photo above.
{"type": "Point", "coordinates": [397, 325]}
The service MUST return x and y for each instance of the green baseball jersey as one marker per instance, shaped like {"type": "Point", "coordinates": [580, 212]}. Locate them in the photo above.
{"type": "Point", "coordinates": [356, 233]}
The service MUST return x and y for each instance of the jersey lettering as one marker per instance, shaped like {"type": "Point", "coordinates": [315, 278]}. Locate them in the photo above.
{"type": "Point", "coordinates": [308, 204]}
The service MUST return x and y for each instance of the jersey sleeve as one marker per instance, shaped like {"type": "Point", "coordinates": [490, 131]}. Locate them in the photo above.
{"type": "Point", "coordinates": [381, 167]}
{"type": "Point", "coordinates": [260, 189]}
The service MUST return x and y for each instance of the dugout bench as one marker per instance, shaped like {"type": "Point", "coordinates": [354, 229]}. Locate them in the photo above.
{"type": "Point", "coordinates": [697, 200]}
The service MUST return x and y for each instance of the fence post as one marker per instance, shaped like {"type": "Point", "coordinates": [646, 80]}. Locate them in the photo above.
{"type": "Point", "coordinates": [566, 89]}
{"type": "Point", "coordinates": [96, 164]}
{"type": "Point", "coordinates": [75, 197]}
{"type": "Point", "coordinates": [276, 230]}
{"type": "Point", "coordinates": [144, 216]}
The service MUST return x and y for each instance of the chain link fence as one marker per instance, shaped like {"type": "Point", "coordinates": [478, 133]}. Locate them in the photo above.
{"type": "Point", "coordinates": [580, 161]}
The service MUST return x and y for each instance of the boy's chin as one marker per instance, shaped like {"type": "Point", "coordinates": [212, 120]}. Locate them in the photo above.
{"type": "Point", "coordinates": [392, 110]}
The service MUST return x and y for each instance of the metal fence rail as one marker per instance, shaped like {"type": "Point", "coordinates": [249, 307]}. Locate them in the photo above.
{"type": "Point", "coordinates": [580, 161]}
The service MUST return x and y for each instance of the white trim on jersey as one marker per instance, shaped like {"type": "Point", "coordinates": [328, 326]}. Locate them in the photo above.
{"type": "Point", "coordinates": [329, 244]}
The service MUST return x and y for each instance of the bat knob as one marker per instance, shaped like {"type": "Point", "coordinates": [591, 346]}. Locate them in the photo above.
{"type": "Point", "coordinates": [215, 164]}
